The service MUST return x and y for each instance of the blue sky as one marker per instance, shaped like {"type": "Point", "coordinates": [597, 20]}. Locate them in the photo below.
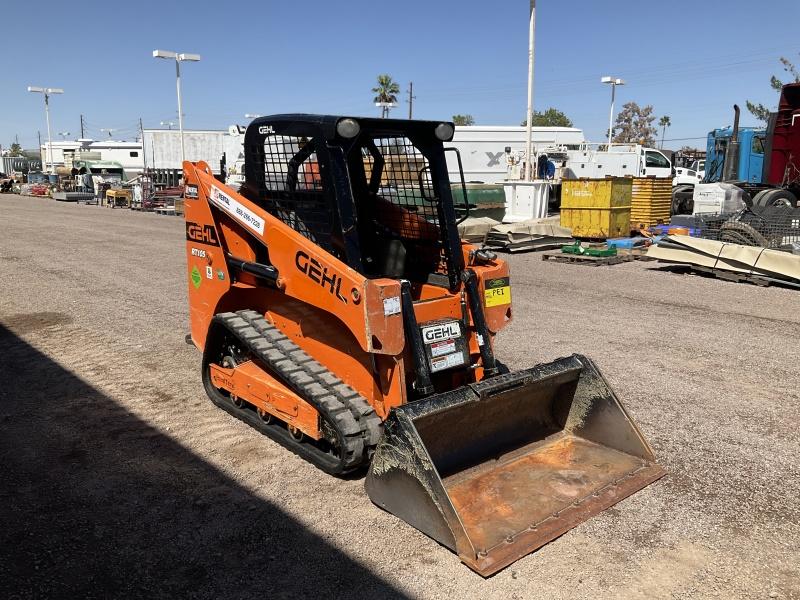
{"type": "Point", "coordinates": [690, 60]}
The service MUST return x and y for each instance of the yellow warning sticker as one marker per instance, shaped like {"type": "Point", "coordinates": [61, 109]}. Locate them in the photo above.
{"type": "Point", "coordinates": [498, 292]}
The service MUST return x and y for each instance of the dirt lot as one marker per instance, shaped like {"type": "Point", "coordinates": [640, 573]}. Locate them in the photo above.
{"type": "Point", "coordinates": [120, 479]}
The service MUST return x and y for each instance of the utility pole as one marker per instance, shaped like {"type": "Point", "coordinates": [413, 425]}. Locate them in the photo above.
{"type": "Point", "coordinates": [82, 127]}
{"type": "Point", "coordinates": [46, 92]}
{"type": "Point", "coordinates": [529, 172]}
{"type": "Point", "coordinates": [144, 154]}
{"type": "Point", "coordinates": [411, 98]}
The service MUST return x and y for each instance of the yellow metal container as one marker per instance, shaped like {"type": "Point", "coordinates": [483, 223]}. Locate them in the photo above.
{"type": "Point", "coordinates": [118, 198]}
{"type": "Point", "coordinates": [651, 201]}
{"type": "Point", "coordinates": [597, 208]}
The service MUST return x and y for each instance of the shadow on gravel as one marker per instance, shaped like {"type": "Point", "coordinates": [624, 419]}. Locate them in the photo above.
{"type": "Point", "coordinates": [95, 503]}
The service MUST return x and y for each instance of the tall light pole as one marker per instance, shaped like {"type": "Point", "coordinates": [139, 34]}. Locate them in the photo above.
{"type": "Point", "coordinates": [529, 120]}
{"type": "Point", "coordinates": [65, 134]}
{"type": "Point", "coordinates": [178, 58]}
{"type": "Point", "coordinates": [47, 92]}
{"type": "Point", "coordinates": [614, 81]}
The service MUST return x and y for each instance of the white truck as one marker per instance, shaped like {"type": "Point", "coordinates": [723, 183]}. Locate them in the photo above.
{"type": "Point", "coordinates": [595, 161]}
{"type": "Point", "coordinates": [691, 175]}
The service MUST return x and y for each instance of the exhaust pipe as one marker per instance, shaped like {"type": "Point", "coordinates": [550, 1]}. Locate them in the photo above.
{"type": "Point", "coordinates": [730, 168]}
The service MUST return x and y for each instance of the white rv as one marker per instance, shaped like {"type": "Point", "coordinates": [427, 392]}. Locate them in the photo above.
{"type": "Point", "coordinates": [127, 154]}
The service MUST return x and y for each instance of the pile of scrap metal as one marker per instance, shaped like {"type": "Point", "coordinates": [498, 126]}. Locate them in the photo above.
{"type": "Point", "coordinates": [728, 260]}
{"type": "Point", "coordinates": [34, 189]}
{"type": "Point", "coordinates": [80, 197]}
{"type": "Point", "coordinates": [774, 227]}
{"type": "Point", "coordinates": [535, 234]}
{"type": "Point", "coordinates": [474, 229]}
{"type": "Point", "coordinates": [6, 183]}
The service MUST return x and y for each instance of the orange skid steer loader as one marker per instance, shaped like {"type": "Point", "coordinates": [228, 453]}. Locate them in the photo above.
{"type": "Point", "coordinates": [340, 314]}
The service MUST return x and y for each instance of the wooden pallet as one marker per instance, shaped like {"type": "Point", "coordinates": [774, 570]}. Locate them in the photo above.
{"type": "Point", "coordinates": [594, 261]}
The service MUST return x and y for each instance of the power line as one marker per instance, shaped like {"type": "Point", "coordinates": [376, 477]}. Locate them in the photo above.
{"type": "Point", "coordinates": [684, 139]}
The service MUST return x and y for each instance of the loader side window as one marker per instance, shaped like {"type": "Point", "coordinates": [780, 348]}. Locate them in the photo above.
{"type": "Point", "coordinates": [291, 189]}
{"type": "Point", "coordinates": [401, 209]}
{"type": "Point", "coordinates": [404, 201]}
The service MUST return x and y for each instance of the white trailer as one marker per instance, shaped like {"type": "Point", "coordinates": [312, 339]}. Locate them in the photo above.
{"type": "Point", "coordinates": [484, 149]}
{"type": "Point", "coordinates": [163, 148]}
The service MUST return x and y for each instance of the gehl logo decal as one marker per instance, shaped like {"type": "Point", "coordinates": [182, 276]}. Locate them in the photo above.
{"type": "Point", "coordinates": [314, 270]}
{"type": "Point", "coordinates": [203, 234]}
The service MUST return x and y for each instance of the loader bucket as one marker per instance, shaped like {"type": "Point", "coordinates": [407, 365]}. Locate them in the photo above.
{"type": "Point", "coordinates": [496, 469]}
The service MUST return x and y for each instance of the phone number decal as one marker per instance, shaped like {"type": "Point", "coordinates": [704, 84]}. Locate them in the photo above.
{"type": "Point", "coordinates": [239, 212]}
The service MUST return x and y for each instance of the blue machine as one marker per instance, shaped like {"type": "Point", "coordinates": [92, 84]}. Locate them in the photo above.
{"type": "Point", "coordinates": [751, 153]}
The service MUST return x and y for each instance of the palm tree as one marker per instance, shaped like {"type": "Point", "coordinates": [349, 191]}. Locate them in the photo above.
{"type": "Point", "coordinates": [386, 93]}
{"type": "Point", "coordinates": [663, 122]}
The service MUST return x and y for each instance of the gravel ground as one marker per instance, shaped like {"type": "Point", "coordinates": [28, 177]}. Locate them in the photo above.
{"type": "Point", "coordinates": [120, 479]}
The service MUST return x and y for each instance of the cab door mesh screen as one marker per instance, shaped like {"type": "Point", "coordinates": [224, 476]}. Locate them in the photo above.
{"type": "Point", "coordinates": [290, 188]}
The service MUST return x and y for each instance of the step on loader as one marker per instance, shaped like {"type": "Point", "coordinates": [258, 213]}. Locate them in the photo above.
{"type": "Point", "coordinates": [339, 313]}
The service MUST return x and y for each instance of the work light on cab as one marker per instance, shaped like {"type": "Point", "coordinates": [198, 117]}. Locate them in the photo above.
{"type": "Point", "coordinates": [444, 132]}
{"type": "Point", "coordinates": [348, 128]}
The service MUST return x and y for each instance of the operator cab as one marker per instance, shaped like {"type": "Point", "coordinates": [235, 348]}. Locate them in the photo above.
{"type": "Point", "coordinates": [375, 193]}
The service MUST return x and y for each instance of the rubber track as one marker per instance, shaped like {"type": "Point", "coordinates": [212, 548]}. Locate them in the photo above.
{"type": "Point", "coordinates": [358, 427]}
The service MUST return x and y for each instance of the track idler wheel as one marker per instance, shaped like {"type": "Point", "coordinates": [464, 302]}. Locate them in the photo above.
{"type": "Point", "coordinates": [265, 416]}
{"type": "Point", "coordinates": [296, 434]}
{"type": "Point", "coordinates": [229, 363]}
